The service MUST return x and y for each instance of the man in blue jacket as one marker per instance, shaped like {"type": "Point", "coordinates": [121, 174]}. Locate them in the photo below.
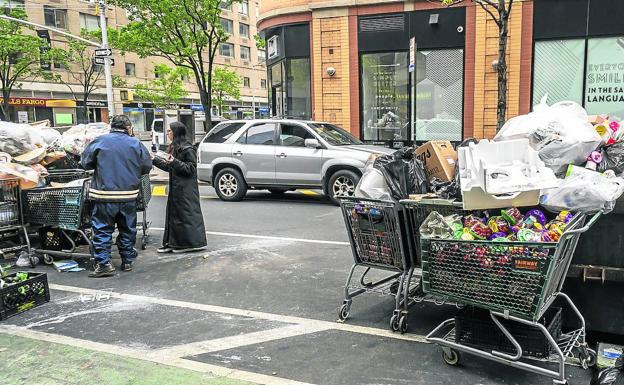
{"type": "Point", "coordinates": [119, 160]}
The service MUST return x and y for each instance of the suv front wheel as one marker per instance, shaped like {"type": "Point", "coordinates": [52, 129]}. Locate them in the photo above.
{"type": "Point", "coordinates": [230, 185]}
{"type": "Point", "coordinates": [342, 184]}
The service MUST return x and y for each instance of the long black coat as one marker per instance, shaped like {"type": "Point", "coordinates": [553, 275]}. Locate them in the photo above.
{"type": "Point", "coordinates": [184, 222]}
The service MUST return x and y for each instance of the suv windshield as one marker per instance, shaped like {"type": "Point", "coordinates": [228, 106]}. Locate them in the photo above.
{"type": "Point", "coordinates": [334, 135]}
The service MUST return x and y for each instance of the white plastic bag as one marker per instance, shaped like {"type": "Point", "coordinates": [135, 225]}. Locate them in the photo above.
{"type": "Point", "coordinates": [372, 185]}
{"type": "Point", "coordinates": [560, 133]}
{"type": "Point", "coordinates": [50, 136]}
{"type": "Point", "coordinates": [76, 139]}
{"type": "Point", "coordinates": [17, 139]}
{"type": "Point", "coordinates": [587, 191]}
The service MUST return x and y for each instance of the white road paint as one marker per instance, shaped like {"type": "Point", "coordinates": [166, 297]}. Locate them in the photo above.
{"type": "Point", "coordinates": [238, 235]}
{"type": "Point", "coordinates": [145, 355]}
{"type": "Point", "coordinates": [325, 325]}
{"type": "Point", "coordinates": [240, 340]}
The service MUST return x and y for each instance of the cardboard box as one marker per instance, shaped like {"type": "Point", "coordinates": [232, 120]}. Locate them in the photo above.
{"type": "Point", "coordinates": [439, 158]}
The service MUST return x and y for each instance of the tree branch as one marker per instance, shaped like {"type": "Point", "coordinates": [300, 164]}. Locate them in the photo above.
{"type": "Point", "coordinates": [484, 5]}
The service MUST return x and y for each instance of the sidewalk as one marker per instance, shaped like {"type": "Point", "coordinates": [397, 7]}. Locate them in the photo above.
{"type": "Point", "coordinates": [29, 361]}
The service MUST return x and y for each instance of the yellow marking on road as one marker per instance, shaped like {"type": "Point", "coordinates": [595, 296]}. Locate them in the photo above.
{"type": "Point", "coordinates": [159, 191]}
{"type": "Point", "coordinates": [308, 192]}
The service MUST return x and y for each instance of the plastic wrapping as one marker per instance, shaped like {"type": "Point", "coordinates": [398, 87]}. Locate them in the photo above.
{"type": "Point", "coordinates": [560, 133]}
{"type": "Point", "coordinates": [28, 177]}
{"type": "Point", "coordinates": [372, 185]}
{"type": "Point", "coordinates": [50, 136]}
{"type": "Point", "coordinates": [610, 376]}
{"type": "Point", "coordinates": [612, 158]}
{"type": "Point", "coordinates": [76, 139]}
{"type": "Point", "coordinates": [16, 139]}
{"type": "Point", "coordinates": [404, 174]}
{"type": "Point", "coordinates": [586, 192]}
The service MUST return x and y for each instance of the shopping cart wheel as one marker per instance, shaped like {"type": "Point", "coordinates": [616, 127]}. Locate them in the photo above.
{"type": "Point", "coordinates": [587, 357]}
{"type": "Point", "coordinates": [48, 259]}
{"type": "Point", "coordinates": [394, 323]}
{"type": "Point", "coordinates": [343, 313]}
{"type": "Point", "coordinates": [450, 356]}
{"type": "Point", "coordinates": [403, 324]}
{"type": "Point", "coordinates": [143, 243]}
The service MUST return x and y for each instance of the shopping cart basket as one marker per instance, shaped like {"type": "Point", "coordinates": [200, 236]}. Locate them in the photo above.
{"type": "Point", "coordinates": [64, 209]}
{"type": "Point", "coordinates": [12, 219]}
{"type": "Point", "coordinates": [513, 281]}
{"type": "Point", "coordinates": [378, 235]}
{"type": "Point", "coordinates": [145, 195]}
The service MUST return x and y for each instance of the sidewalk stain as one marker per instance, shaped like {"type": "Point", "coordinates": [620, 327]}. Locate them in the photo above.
{"type": "Point", "coordinates": [25, 361]}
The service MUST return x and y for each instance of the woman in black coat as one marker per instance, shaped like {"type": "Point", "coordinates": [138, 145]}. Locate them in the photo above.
{"type": "Point", "coordinates": [184, 222]}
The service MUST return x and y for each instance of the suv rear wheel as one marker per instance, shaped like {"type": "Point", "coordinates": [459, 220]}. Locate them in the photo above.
{"type": "Point", "coordinates": [342, 184]}
{"type": "Point", "coordinates": [230, 185]}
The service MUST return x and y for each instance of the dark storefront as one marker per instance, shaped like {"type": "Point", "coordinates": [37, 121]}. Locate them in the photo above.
{"type": "Point", "coordinates": [578, 54]}
{"type": "Point", "coordinates": [288, 64]}
{"type": "Point", "coordinates": [399, 104]}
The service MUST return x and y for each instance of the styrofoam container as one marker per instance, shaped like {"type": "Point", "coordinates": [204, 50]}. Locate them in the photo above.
{"type": "Point", "coordinates": [477, 199]}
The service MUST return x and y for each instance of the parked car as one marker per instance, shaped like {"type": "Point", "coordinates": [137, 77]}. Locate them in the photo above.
{"type": "Point", "coordinates": [281, 155]}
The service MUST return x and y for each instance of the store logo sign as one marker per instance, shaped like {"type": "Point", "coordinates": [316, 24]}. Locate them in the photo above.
{"type": "Point", "coordinates": [272, 47]}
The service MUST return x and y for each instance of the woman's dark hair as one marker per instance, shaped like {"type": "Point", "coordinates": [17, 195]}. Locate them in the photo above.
{"type": "Point", "coordinates": [179, 136]}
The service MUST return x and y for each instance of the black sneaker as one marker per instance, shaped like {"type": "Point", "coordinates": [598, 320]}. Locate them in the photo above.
{"type": "Point", "coordinates": [126, 266]}
{"type": "Point", "coordinates": [105, 270]}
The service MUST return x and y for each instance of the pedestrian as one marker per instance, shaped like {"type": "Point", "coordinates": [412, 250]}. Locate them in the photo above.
{"type": "Point", "coordinates": [184, 222]}
{"type": "Point", "coordinates": [119, 160]}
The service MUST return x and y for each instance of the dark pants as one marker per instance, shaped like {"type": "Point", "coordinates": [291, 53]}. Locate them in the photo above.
{"type": "Point", "coordinates": [105, 217]}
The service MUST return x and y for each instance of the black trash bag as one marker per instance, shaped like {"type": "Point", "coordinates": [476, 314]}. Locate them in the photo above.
{"type": "Point", "coordinates": [612, 158]}
{"type": "Point", "coordinates": [610, 376]}
{"type": "Point", "coordinates": [403, 173]}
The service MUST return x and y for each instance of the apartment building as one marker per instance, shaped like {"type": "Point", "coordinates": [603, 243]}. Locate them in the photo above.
{"type": "Point", "coordinates": [38, 99]}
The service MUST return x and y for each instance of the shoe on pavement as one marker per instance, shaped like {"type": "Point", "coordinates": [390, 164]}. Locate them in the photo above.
{"type": "Point", "coordinates": [163, 250]}
{"type": "Point", "coordinates": [126, 266]}
{"type": "Point", "coordinates": [105, 270]}
{"type": "Point", "coordinates": [188, 250]}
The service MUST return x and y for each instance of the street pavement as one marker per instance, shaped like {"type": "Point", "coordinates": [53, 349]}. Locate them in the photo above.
{"type": "Point", "coordinates": [259, 305]}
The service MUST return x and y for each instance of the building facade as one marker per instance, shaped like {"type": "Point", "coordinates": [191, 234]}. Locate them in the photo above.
{"type": "Point", "coordinates": [38, 100]}
{"type": "Point", "coordinates": [409, 71]}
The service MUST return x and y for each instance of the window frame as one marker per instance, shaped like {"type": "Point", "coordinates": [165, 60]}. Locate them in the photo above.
{"type": "Point", "coordinates": [246, 81]}
{"type": "Point", "coordinates": [55, 11]}
{"type": "Point", "coordinates": [230, 23]}
{"type": "Point", "coordinates": [222, 44]}
{"type": "Point", "coordinates": [246, 131]}
{"type": "Point", "coordinates": [133, 66]}
{"type": "Point", "coordinates": [243, 7]}
{"type": "Point", "coordinates": [83, 17]}
{"type": "Point", "coordinates": [240, 32]}
{"type": "Point", "coordinates": [263, 83]}
{"type": "Point", "coordinates": [245, 48]}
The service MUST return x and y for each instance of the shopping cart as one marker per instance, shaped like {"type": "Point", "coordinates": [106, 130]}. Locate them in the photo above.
{"type": "Point", "coordinates": [63, 214]}
{"type": "Point", "coordinates": [379, 241]}
{"type": "Point", "coordinates": [514, 282]}
{"type": "Point", "coordinates": [145, 195]}
{"type": "Point", "coordinates": [12, 219]}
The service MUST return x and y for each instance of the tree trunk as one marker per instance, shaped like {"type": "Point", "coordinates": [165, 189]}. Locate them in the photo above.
{"type": "Point", "coordinates": [501, 108]}
{"type": "Point", "coordinates": [5, 107]}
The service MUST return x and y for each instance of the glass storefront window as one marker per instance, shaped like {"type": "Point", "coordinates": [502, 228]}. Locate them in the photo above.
{"type": "Point", "coordinates": [558, 70]}
{"type": "Point", "coordinates": [439, 94]}
{"type": "Point", "coordinates": [298, 103]}
{"type": "Point", "coordinates": [137, 117]}
{"type": "Point", "coordinates": [385, 97]}
{"type": "Point", "coordinates": [604, 85]}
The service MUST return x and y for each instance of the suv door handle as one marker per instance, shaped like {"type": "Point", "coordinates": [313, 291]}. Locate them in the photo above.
{"type": "Point", "coordinates": [238, 153]}
{"type": "Point", "coordinates": [282, 155]}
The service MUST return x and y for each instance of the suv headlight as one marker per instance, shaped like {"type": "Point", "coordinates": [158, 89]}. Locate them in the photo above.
{"type": "Point", "coordinates": [371, 160]}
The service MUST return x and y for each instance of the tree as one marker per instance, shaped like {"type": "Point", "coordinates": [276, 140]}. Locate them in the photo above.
{"type": "Point", "coordinates": [186, 32]}
{"type": "Point", "coordinates": [167, 89]}
{"type": "Point", "coordinates": [499, 11]}
{"type": "Point", "coordinates": [21, 57]}
{"type": "Point", "coordinates": [225, 84]}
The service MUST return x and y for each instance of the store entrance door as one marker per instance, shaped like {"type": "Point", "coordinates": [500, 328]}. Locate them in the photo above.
{"type": "Point", "coordinates": [277, 100]}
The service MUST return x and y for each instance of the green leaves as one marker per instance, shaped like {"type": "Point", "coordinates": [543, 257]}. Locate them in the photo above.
{"type": "Point", "coordinates": [167, 89]}
{"type": "Point", "coordinates": [225, 84]}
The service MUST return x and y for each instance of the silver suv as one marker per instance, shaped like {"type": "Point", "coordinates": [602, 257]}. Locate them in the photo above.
{"type": "Point", "coordinates": [281, 155]}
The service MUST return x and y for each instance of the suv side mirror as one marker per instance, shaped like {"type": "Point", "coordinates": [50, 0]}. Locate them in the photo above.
{"type": "Point", "coordinates": [312, 143]}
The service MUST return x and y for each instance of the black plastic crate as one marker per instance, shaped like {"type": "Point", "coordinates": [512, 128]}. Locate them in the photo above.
{"type": "Point", "coordinates": [475, 328]}
{"type": "Point", "coordinates": [20, 297]}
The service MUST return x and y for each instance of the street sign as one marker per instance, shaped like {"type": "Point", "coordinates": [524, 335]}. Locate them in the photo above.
{"type": "Point", "coordinates": [101, 61]}
{"type": "Point", "coordinates": [412, 54]}
{"type": "Point", "coordinates": [103, 52]}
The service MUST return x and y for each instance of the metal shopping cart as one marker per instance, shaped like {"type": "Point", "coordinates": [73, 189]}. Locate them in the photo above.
{"type": "Point", "coordinates": [145, 195]}
{"type": "Point", "coordinates": [379, 241]}
{"type": "Point", "coordinates": [12, 219]}
{"type": "Point", "coordinates": [517, 283]}
{"type": "Point", "coordinates": [63, 215]}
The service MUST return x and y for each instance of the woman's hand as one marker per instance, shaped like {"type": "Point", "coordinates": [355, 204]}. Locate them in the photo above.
{"type": "Point", "coordinates": [169, 158]}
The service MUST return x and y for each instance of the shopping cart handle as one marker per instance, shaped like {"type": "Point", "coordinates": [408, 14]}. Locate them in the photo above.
{"type": "Point", "coordinates": [589, 224]}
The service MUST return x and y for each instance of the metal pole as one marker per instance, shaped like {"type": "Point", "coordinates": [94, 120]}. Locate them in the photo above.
{"type": "Point", "coordinates": [253, 103]}
{"type": "Point", "coordinates": [108, 75]}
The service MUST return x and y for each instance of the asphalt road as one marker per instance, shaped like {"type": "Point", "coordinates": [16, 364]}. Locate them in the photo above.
{"type": "Point", "coordinates": [259, 305]}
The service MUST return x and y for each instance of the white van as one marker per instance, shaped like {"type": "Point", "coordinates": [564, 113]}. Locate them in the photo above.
{"type": "Point", "coordinates": [158, 128]}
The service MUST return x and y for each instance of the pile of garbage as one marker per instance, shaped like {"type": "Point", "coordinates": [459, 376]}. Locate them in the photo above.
{"type": "Point", "coordinates": [27, 151]}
